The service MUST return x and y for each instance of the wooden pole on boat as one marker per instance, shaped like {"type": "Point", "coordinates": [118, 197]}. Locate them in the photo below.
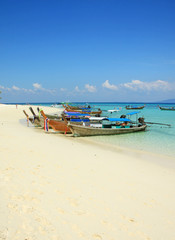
{"type": "Point", "coordinates": [27, 116]}
{"type": "Point", "coordinates": [32, 111]}
{"type": "Point", "coordinates": [65, 120]}
{"type": "Point", "coordinates": [165, 124]}
{"type": "Point", "coordinates": [169, 125]}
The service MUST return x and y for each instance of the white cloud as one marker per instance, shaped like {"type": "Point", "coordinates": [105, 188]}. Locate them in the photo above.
{"type": "Point", "coordinates": [27, 90]}
{"type": "Point", "coordinates": [90, 88]}
{"type": "Point", "coordinates": [5, 88]}
{"type": "Point", "coordinates": [63, 89]}
{"type": "Point", "coordinates": [15, 88]}
{"type": "Point", "coordinates": [37, 86]}
{"type": "Point", "coordinates": [77, 89]}
{"type": "Point", "coordinates": [147, 86]}
{"type": "Point", "coordinates": [106, 84]}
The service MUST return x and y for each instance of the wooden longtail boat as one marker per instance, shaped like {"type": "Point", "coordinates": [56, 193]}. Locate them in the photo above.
{"type": "Point", "coordinates": [134, 107]}
{"type": "Point", "coordinates": [39, 120]}
{"type": "Point", "coordinates": [84, 111]}
{"type": "Point", "coordinates": [77, 107]}
{"type": "Point", "coordinates": [27, 116]}
{"type": "Point", "coordinates": [57, 125]}
{"type": "Point", "coordinates": [34, 115]}
{"type": "Point", "coordinates": [33, 120]}
{"type": "Point", "coordinates": [110, 129]}
{"type": "Point", "coordinates": [167, 108]}
{"type": "Point", "coordinates": [50, 116]}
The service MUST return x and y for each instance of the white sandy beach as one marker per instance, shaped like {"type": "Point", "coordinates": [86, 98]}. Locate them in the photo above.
{"type": "Point", "coordinates": [55, 187]}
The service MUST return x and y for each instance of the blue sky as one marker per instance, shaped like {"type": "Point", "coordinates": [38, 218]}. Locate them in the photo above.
{"type": "Point", "coordinates": [87, 50]}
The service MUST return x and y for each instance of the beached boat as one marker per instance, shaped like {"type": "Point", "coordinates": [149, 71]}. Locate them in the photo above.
{"type": "Point", "coordinates": [61, 124]}
{"type": "Point", "coordinates": [167, 108]}
{"type": "Point", "coordinates": [50, 116]}
{"type": "Point", "coordinates": [38, 120]}
{"type": "Point", "coordinates": [27, 116]}
{"type": "Point", "coordinates": [56, 125]}
{"type": "Point", "coordinates": [134, 107]}
{"type": "Point", "coordinates": [107, 128]}
{"type": "Point", "coordinates": [34, 120]}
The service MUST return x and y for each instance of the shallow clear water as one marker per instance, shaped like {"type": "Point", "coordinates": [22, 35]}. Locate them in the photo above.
{"type": "Point", "coordinates": [157, 138]}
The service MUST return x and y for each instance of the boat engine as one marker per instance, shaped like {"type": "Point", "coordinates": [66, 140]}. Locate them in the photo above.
{"type": "Point", "coordinates": [141, 120]}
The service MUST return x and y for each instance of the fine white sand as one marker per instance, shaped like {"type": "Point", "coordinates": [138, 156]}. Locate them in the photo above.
{"type": "Point", "coordinates": [55, 187]}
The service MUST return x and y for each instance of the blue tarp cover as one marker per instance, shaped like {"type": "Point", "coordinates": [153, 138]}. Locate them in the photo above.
{"type": "Point", "coordinates": [132, 113]}
{"type": "Point", "coordinates": [118, 119]}
{"type": "Point", "coordinates": [79, 120]}
{"type": "Point", "coordinates": [76, 114]}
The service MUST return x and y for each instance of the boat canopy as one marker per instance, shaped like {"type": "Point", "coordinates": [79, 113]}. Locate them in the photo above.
{"type": "Point", "coordinates": [79, 120]}
{"type": "Point", "coordinates": [132, 113]}
{"type": "Point", "coordinates": [76, 114]}
{"type": "Point", "coordinates": [117, 119]}
{"type": "Point", "coordinates": [87, 111]}
{"type": "Point", "coordinates": [97, 118]}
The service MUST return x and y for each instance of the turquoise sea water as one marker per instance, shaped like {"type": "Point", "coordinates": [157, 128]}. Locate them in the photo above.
{"type": "Point", "coordinates": [156, 139]}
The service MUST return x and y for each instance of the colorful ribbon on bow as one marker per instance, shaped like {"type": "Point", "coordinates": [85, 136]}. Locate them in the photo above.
{"type": "Point", "coordinates": [46, 127]}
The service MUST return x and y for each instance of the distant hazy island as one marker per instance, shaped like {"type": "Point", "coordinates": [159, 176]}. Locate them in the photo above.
{"type": "Point", "coordinates": [168, 101]}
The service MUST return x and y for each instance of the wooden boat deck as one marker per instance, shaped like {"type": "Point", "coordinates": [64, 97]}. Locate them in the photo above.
{"type": "Point", "coordinates": [78, 130]}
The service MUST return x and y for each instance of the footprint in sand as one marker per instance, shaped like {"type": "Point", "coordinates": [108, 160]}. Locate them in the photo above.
{"type": "Point", "coordinates": [73, 202]}
{"type": "Point", "coordinates": [60, 210]}
{"type": "Point", "coordinates": [131, 220]}
{"type": "Point", "coordinates": [108, 225]}
{"type": "Point", "coordinates": [79, 213]}
{"type": "Point", "coordinates": [128, 219]}
{"type": "Point", "coordinates": [77, 230]}
{"type": "Point", "coordinates": [4, 234]}
{"type": "Point", "coordinates": [97, 237]}
{"type": "Point", "coordinates": [27, 209]}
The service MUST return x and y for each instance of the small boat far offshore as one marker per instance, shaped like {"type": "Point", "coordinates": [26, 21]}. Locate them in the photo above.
{"type": "Point", "coordinates": [167, 108]}
{"type": "Point", "coordinates": [129, 107]}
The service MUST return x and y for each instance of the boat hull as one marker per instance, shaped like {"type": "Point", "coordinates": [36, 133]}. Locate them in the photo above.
{"type": "Point", "coordinates": [167, 109]}
{"type": "Point", "coordinates": [85, 112]}
{"type": "Point", "coordinates": [134, 108]}
{"type": "Point", "coordinates": [92, 131]}
{"type": "Point", "coordinates": [78, 108]}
